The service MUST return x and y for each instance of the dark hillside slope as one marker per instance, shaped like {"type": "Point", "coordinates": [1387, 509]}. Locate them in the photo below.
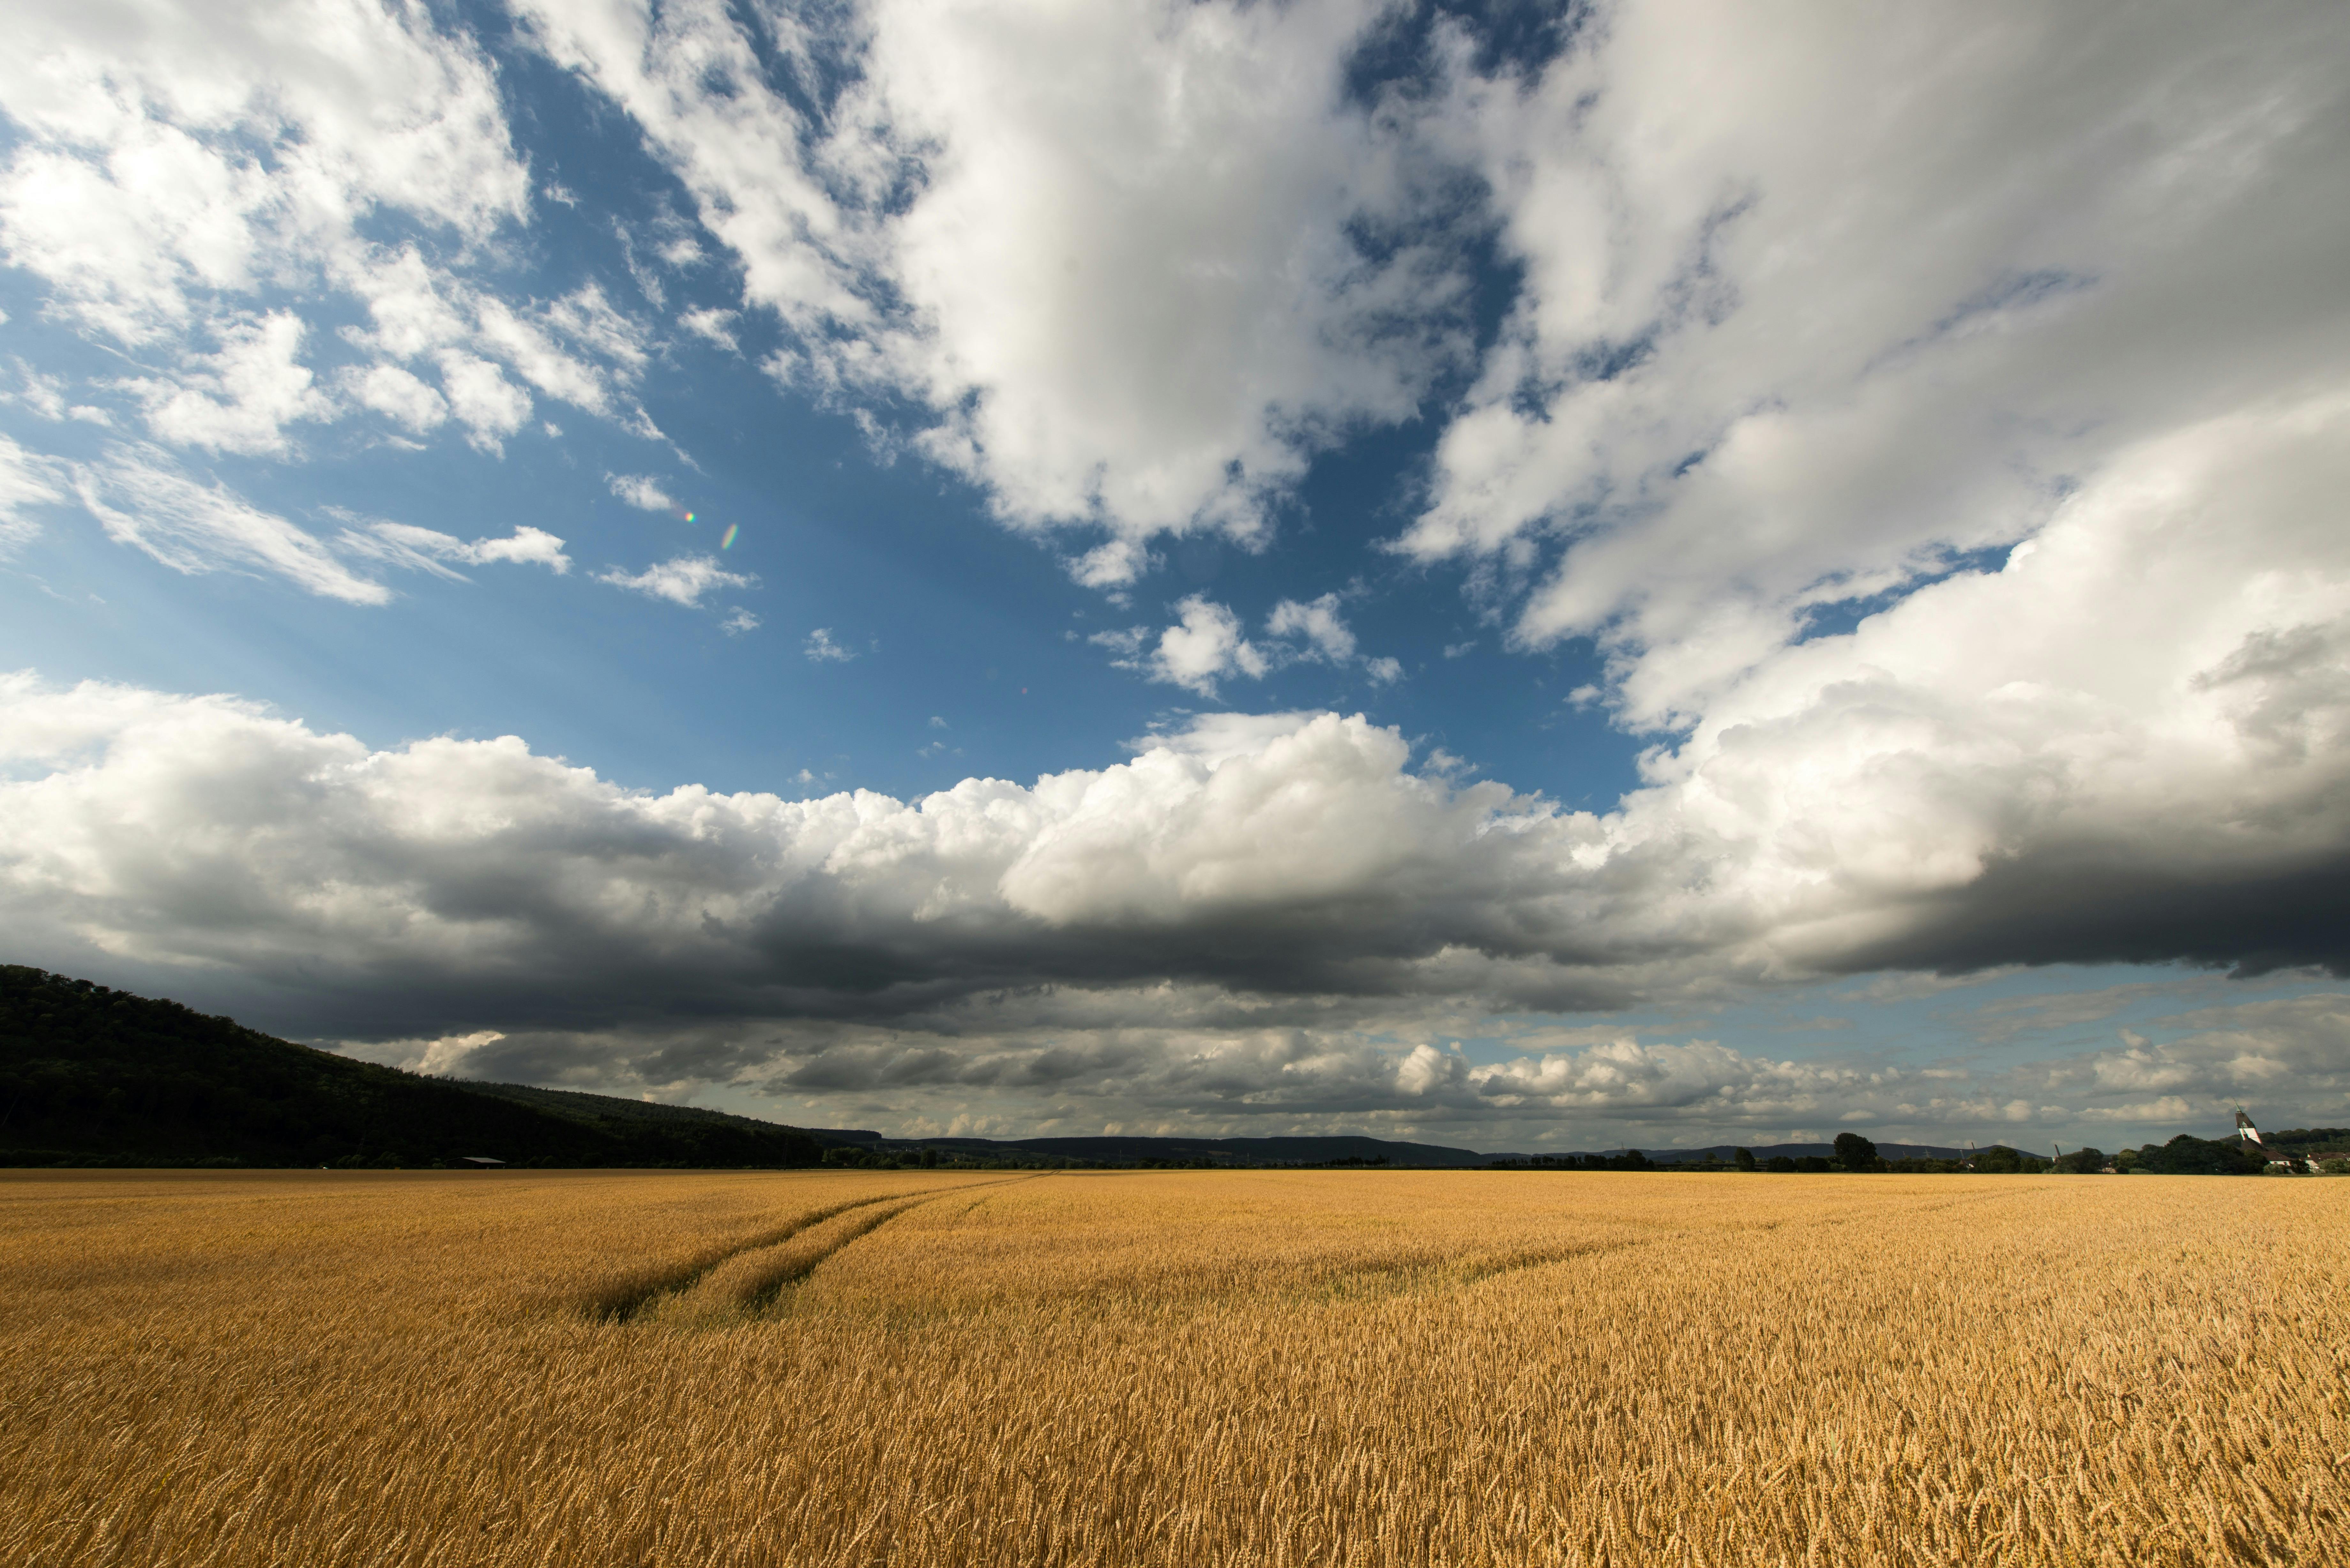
{"type": "Point", "coordinates": [92, 1075]}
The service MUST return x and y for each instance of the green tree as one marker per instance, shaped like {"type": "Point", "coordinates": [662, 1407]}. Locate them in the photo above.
{"type": "Point", "coordinates": [1780, 1163]}
{"type": "Point", "coordinates": [1744, 1157]}
{"type": "Point", "coordinates": [1855, 1152]}
{"type": "Point", "coordinates": [2188, 1155]}
{"type": "Point", "coordinates": [2081, 1162]}
{"type": "Point", "coordinates": [1998, 1160]}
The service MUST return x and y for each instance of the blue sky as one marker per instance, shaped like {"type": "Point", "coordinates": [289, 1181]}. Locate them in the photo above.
{"type": "Point", "coordinates": [1525, 584]}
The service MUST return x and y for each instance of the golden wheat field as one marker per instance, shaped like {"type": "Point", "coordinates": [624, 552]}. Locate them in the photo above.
{"type": "Point", "coordinates": [1179, 1368]}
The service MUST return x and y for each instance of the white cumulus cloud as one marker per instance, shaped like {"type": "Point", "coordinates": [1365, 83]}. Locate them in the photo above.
{"type": "Point", "coordinates": [209, 184]}
{"type": "Point", "coordinates": [138, 194]}
{"type": "Point", "coordinates": [641, 492]}
{"type": "Point", "coordinates": [1203, 646]}
{"type": "Point", "coordinates": [1817, 304]}
{"type": "Point", "coordinates": [1319, 623]}
{"type": "Point", "coordinates": [400, 397]}
{"type": "Point", "coordinates": [241, 398]}
{"type": "Point", "coordinates": [1131, 274]}
{"type": "Point", "coordinates": [1208, 644]}
{"type": "Point", "coordinates": [490, 407]}
{"type": "Point", "coordinates": [712, 325]}
{"type": "Point", "coordinates": [683, 580]}
{"type": "Point", "coordinates": [1347, 871]}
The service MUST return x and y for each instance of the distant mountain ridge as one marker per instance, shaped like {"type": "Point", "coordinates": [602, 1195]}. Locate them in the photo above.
{"type": "Point", "coordinates": [1722, 1153]}
{"type": "Point", "coordinates": [578, 1102]}
{"type": "Point", "coordinates": [1242, 1151]}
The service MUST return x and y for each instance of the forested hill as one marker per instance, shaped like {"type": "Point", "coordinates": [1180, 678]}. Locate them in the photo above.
{"type": "Point", "coordinates": [92, 1075]}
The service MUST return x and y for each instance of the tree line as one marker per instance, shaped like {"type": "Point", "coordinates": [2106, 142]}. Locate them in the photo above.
{"type": "Point", "coordinates": [2185, 1155]}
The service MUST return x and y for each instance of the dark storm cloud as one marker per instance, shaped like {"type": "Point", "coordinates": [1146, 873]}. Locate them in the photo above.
{"type": "Point", "coordinates": [461, 886]}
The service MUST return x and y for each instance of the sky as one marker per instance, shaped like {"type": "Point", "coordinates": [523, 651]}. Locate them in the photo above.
{"type": "Point", "coordinates": [1647, 574]}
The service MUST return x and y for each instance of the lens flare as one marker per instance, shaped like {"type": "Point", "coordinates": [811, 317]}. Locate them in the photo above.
{"type": "Point", "coordinates": [728, 542]}
{"type": "Point", "coordinates": [689, 516]}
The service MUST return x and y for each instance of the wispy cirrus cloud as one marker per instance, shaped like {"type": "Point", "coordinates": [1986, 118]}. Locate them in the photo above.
{"type": "Point", "coordinates": [27, 480]}
{"type": "Point", "coordinates": [142, 499]}
{"type": "Point", "coordinates": [429, 550]}
{"type": "Point", "coordinates": [821, 648]}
